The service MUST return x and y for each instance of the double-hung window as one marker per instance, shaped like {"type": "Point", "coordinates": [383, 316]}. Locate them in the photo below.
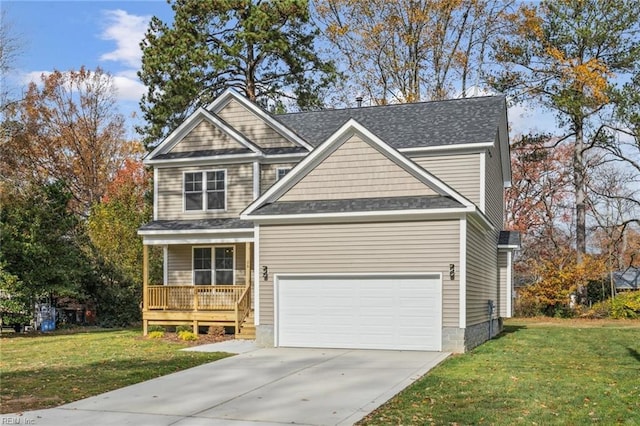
{"type": "Point", "coordinates": [213, 265]}
{"type": "Point", "coordinates": [205, 190]}
{"type": "Point", "coordinates": [281, 172]}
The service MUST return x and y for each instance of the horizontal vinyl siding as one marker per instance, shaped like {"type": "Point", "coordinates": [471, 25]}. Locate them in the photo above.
{"type": "Point", "coordinates": [206, 136]}
{"type": "Point", "coordinates": [356, 170]}
{"type": "Point", "coordinates": [268, 174]}
{"type": "Point", "coordinates": [361, 248]}
{"type": "Point", "coordinates": [171, 199]}
{"type": "Point", "coordinates": [460, 172]}
{"type": "Point", "coordinates": [502, 280]}
{"type": "Point", "coordinates": [494, 202]}
{"type": "Point", "coordinates": [252, 126]}
{"type": "Point", "coordinates": [482, 273]}
{"type": "Point", "coordinates": [180, 263]}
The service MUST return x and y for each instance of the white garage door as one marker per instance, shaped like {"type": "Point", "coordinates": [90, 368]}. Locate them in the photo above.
{"type": "Point", "coordinates": [360, 312]}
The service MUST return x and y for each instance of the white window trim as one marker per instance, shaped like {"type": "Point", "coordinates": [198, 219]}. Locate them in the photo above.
{"type": "Point", "coordinates": [288, 169]}
{"type": "Point", "coordinates": [213, 262]}
{"type": "Point", "coordinates": [204, 191]}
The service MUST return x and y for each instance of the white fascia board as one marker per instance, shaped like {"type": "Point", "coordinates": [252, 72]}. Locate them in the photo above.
{"type": "Point", "coordinates": [160, 241]}
{"type": "Point", "coordinates": [215, 159]}
{"type": "Point", "coordinates": [256, 275]}
{"type": "Point", "coordinates": [256, 179]}
{"type": "Point", "coordinates": [429, 214]}
{"type": "Point", "coordinates": [508, 247]}
{"type": "Point", "coordinates": [248, 231]}
{"type": "Point", "coordinates": [189, 124]}
{"type": "Point", "coordinates": [221, 101]}
{"type": "Point", "coordinates": [483, 181]}
{"type": "Point", "coordinates": [155, 193]}
{"type": "Point", "coordinates": [446, 148]}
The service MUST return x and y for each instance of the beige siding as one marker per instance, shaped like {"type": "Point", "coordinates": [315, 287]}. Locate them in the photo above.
{"type": "Point", "coordinates": [361, 248]}
{"type": "Point", "coordinates": [482, 273]}
{"type": "Point", "coordinates": [356, 170]}
{"type": "Point", "coordinates": [171, 199]}
{"type": "Point", "coordinates": [179, 265]}
{"type": "Point", "coordinates": [180, 261]}
{"type": "Point", "coordinates": [460, 172]}
{"type": "Point", "coordinates": [502, 283]}
{"type": "Point", "coordinates": [268, 174]}
{"type": "Point", "coordinates": [206, 136]}
{"type": "Point", "coordinates": [494, 198]}
{"type": "Point", "coordinates": [252, 126]}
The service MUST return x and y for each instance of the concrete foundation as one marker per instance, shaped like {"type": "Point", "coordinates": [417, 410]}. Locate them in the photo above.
{"type": "Point", "coordinates": [264, 336]}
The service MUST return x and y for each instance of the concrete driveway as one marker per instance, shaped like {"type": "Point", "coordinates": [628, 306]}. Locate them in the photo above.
{"type": "Point", "coordinates": [262, 386]}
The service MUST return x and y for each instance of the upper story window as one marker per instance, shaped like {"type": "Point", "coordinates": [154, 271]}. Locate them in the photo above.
{"type": "Point", "coordinates": [205, 190]}
{"type": "Point", "coordinates": [281, 172]}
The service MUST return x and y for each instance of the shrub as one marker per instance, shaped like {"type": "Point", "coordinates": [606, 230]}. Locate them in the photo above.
{"type": "Point", "coordinates": [181, 328]}
{"type": "Point", "coordinates": [153, 328]}
{"type": "Point", "coordinates": [187, 335]}
{"type": "Point", "coordinates": [626, 305]}
{"type": "Point", "coordinates": [155, 334]}
{"type": "Point", "coordinates": [599, 310]}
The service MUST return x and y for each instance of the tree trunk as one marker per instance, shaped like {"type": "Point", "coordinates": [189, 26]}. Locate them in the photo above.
{"type": "Point", "coordinates": [579, 182]}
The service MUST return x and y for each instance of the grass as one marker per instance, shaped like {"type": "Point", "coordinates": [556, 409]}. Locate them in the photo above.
{"type": "Point", "coordinates": [47, 370]}
{"type": "Point", "coordinates": [549, 372]}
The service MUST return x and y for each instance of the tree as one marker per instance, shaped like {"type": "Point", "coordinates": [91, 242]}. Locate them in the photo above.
{"type": "Point", "coordinates": [40, 257]}
{"type": "Point", "coordinates": [264, 49]}
{"type": "Point", "coordinates": [67, 130]}
{"type": "Point", "coordinates": [566, 55]}
{"type": "Point", "coordinates": [408, 50]}
{"type": "Point", "coordinates": [114, 222]}
{"type": "Point", "coordinates": [9, 49]}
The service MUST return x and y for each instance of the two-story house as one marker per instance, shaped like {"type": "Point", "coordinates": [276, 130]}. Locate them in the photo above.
{"type": "Point", "coordinates": [374, 227]}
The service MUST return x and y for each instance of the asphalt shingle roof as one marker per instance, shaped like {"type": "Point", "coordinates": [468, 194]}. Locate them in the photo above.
{"type": "Point", "coordinates": [202, 153]}
{"type": "Point", "coordinates": [358, 205]}
{"type": "Point", "coordinates": [196, 225]}
{"type": "Point", "coordinates": [509, 238]}
{"type": "Point", "coordinates": [451, 122]}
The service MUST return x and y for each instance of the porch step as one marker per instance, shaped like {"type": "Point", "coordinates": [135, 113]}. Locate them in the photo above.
{"type": "Point", "coordinates": [248, 329]}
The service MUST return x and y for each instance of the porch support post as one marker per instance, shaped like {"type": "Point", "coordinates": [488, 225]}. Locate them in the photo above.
{"type": "Point", "coordinates": [145, 290]}
{"type": "Point", "coordinates": [247, 264]}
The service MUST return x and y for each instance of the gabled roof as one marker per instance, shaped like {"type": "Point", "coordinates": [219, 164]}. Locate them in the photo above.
{"type": "Point", "coordinates": [405, 126]}
{"type": "Point", "coordinates": [317, 156]}
{"type": "Point", "coordinates": [627, 280]}
{"type": "Point", "coordinates": [189, 124]}
{"type": "Point", "coordinates": [190, 225]}
{"type": "Point", "coordinates": [221, 101]}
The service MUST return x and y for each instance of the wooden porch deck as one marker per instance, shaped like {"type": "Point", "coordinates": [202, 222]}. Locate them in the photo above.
{"type": "Point", "coordinates": [210, 305]}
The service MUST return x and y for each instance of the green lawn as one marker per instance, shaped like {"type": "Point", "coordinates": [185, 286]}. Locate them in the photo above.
{"type": "Point", "coordinates": [535, 373]}
{"type": "Point", "coordinates": [51, 369]}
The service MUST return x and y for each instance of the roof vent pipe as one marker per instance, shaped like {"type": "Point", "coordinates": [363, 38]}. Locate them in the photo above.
{"type": "Point", "coordinates": [359, 101]}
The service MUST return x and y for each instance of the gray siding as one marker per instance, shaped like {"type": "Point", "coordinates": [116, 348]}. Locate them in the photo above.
{"type": "Point", "coordinates": [180, 263]}
{"type": "Point", "coordinates": [482, 273]}
{"type": "Point", "coordinates": [461, 172]}
{"type": "Point", "coordinates": [494, 198]}
{"type": "Point", "coordinates": [206, 136]}
{"type": "Point", "coordinates": [252, 126]}
{"type": "Point", "coordinates": [356, 170]}
{"type": "Point", "coordinates": [268, 174]}
{"type": "Point", "coordinates": [361, 247]}
{"type": "Point", "coordinates": [171, 199]}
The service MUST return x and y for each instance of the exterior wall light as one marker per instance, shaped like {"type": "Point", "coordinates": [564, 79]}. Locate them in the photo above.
{"type": "Point", "coordinates": [452, 271]}
{"type": "Point", "coordinates": [265, 273]}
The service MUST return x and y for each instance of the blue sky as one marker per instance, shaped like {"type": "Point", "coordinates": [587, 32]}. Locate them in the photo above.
{"type": "Point", "coordinates": [65, 35]}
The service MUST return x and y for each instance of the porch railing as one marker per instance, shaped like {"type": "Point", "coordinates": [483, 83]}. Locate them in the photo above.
{"type": "Point", "coordinates": [243, 306]}
{"type": "Point", "coordinates": [197, 298]}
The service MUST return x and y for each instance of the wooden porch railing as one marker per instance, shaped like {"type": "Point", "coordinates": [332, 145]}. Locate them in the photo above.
{"type": "Point", "coordinates": [243, 306]}
{"type": "Point", "coordinates": [197, 297]}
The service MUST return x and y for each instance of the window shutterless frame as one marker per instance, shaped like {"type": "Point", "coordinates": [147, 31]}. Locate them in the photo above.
{"type": "Point", "coordinates": [281, 172]}
{"type": "Point", "coordinates": [213, 265]}
{"type": "Point", "coordinates": [204, 190]}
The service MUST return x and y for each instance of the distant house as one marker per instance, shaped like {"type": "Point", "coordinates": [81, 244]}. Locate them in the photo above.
{"type": "Point", "coordinates": [367, 228]}
{"type": "Point", "coordinates": [627, 280]}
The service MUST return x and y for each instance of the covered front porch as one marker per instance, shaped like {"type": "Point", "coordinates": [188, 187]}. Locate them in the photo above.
{"type": "Point", "coordinates": [207, 276]}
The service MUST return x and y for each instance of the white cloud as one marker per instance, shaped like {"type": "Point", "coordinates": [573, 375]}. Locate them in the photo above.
{"type": "Point", "coordinates": [129, 87]}
{"type": "Point", "coordinates": [33, 77]}
{"type": "Point", "coordinates": [525, 118]}
{"type": "Point", "coordinates": [127, 31]}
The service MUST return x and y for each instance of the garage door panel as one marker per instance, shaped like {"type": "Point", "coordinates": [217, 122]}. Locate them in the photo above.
{"type": "Point", "coordinates": [366, 312]}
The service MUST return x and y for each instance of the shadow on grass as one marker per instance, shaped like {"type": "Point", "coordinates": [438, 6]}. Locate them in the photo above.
{"type": "Point", "coordinates": [64, 332]}
{"type": "Point", "coordinates": [509, 329]}
{"type": "Point", "coordinates": [635, 354]}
